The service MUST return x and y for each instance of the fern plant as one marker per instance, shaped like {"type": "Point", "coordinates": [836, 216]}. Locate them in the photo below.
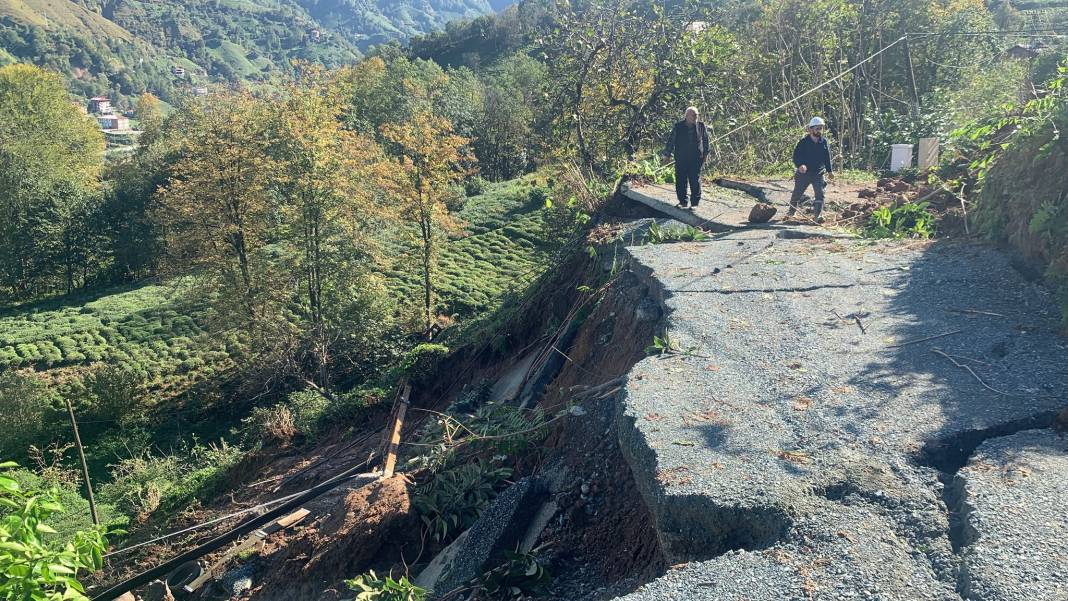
{"type": "Point", "coordinates": [452, 500]}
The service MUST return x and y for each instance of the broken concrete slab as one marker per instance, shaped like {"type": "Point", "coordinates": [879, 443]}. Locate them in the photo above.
{"type": "Point", "coordinates": [838, 551]}
{"type": "Point", "coordinates": [499, 527]}
{"type": "Point", "coordinates": [720, 209]}
{"type": "Point", "coordinates": [428, 578]}
{"type": "Point", "coordinates": [1013, 500]}
{"type": "Point", "coordinates": [803, 372]}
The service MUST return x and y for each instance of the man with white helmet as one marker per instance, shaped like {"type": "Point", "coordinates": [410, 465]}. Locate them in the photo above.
{"type": "Point", "coordinates": [812, 158]}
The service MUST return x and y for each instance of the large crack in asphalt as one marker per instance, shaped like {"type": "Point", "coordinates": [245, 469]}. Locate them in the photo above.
{"type": "Point", "coordinates": [771, 478]}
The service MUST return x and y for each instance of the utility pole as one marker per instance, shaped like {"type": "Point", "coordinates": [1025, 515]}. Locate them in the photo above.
{"type": "Point", "coordinates": [85, 466]}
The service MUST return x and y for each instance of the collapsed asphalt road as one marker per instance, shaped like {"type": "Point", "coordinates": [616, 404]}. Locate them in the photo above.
{"type": "Point", "coordinates": [800, 435]}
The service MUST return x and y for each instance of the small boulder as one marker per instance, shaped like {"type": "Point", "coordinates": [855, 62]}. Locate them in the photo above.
{"type": "Point", "coordinates": [898, 186]}
{"type": "Point", "coordinates": [762, 213]}
{"type": "Point", "coordinates": [867, 193]}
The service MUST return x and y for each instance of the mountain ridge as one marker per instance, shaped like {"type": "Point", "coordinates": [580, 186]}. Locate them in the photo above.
{"type": "Point", "coordinates": [122, 48]}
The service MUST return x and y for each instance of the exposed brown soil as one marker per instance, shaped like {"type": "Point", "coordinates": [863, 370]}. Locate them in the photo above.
{"type": "Point", "coordinates": [354, 529]}
{"type": "Point", "coordinates": [602, 543]}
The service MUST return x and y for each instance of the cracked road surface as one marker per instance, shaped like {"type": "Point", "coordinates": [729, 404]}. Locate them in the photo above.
{"type": "Point", "coordinates": [795, 442]}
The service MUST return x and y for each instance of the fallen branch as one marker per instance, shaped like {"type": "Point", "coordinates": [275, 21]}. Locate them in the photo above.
{"type": "Point", "coordinates": [974, 375]}
{"type": "Point", "coordinates": [593, 390]}
{"type": "Point", "coordinates": [754, 191]}
{"type": "Point", "coordinates": [975, 312]}
{"type": "Point", "coordinates": [925, 339]}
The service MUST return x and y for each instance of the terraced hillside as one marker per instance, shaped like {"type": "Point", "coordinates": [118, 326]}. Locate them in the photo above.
{"type": "Point", "coordinates": [505, 244]}
{"type": "Point", "coordinates": [152, 330]}
{"type": "Point", "coordinates": [146, 329]}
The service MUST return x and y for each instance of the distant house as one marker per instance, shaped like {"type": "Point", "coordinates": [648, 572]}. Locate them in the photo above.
{"type": "Point", "coordinates": [99, 105]}
{"type": "Point", "coordinates": [176, 70]}
{"type": "Point", "coordinates": [696, 27]}
{"type": "Point", "coordinates": [200, 91]}
{"type": "Point", "coordinates": [112, 122]}
{"type": "Point", "coordinates": [316, 35]}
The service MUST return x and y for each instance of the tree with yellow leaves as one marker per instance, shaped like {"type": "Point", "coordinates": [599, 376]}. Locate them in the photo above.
{"type": "Point", "coordinates": [431, 158]}
{"type": "Point", "coordinates": [332, 199]}
{"type": "Point", "coordinates": [215, 211]}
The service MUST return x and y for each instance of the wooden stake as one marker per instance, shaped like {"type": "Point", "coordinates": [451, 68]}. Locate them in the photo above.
{"type": "Point", "coordinates": [85, 466]}
{"type": "Point", "coordinates": [395, 433]}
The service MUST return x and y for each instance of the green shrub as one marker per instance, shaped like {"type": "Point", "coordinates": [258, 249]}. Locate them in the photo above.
{"type": "Point", "coordinates": [453, 499]}
{"type": "Point", "coordinates": [28, 413]}
{"type": "Point", "coordinates": [68, 493]}
{"type": "Point", "coordinates": [369, 587]}
{"type": "Point", "coordinates": [910, 220]}
{"type": "Point", "coordinates": [420, 362]}
{"type": "Point", "coordinates": [35, 561]}
{"type": "Point", "coordinates": [146, 483]}
{"type": "Point", "coordinates": [274, 424]}
{"type": "Point", "coordinates": [475, 185]}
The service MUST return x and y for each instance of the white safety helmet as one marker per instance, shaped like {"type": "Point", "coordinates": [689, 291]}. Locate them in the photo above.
{"type": "Point", "coordinates": [816, 121]}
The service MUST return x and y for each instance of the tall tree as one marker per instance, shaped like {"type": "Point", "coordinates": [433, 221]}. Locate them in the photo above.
{"type": "Point", "coordinates": [614, 91]}
{"type": "Point", "coordinates": [50, 159]}
{"type": "Point", "coordinates": [149, 117]}
{"type": "Point", "coordinates": [431, 158]}
{"type": "Point", "coordinates": [216, 211]}
{"type": "Point", "coordinates": [330, 185]}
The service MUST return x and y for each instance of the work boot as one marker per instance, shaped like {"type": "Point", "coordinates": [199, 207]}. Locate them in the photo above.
{"type": "Point", "coordinates": [816, 210]}
{"type": "Point", "coordinates": [683, 204]}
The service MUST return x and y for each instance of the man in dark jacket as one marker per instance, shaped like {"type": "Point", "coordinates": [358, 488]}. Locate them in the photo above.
{"type": "Point", "coordinates": [812, 157]}
{"type": "Point", "coordinates": [689, 145]}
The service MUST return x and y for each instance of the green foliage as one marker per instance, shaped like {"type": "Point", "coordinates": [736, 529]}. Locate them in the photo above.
{"type": "Point", "coordinates": [28, 412]}
{"type": "Point", "coordinates": [453, 499]}
{"type": "Point", "coordinates": [50, 157]}
{"type": "Point", "coordinates": [662, 346]}
{"type": "Point", "coordinates": [517, 575]}
{"type": "Point", "coordinates": [34, 561]}
{"type": "Point", "coordinates": [651, 170]}
{"type": "Point", "coordinates": [1022, 202]}
{"type": "Point", "coordinates": [145, 483]}
{"type": "Point", "coordinates": [663, 235]}
{"type": "Point", "coordinates": [68, 489]}
{"type": "Point", "coordinates": [985, 139]}
{"type": "Point", "coordinates": [421, 362]}
{"type": "Point", "coordinates": [475, 185]}
{"type": "Point", "coordinates": [369, 587]}
{"type": "Point", "coordinates": [909, 220]}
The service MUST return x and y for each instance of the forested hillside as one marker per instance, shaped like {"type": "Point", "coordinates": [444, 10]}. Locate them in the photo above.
{"type": "Point", "coordinates": [269, 262]}
{"type": "Point", "coordinates": [125, 47]}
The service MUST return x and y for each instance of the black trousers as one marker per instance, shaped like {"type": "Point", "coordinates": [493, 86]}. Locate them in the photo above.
{"type": "Point", "coordinates": [801, 183]}
{"type": "Point", "coordinates": [688, 172]}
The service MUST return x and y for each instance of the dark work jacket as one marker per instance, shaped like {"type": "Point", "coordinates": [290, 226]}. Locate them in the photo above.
{"type": "Point", "coordinates": [814, 155]}
{"type": "Point", "coordinates": [687, 144]}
